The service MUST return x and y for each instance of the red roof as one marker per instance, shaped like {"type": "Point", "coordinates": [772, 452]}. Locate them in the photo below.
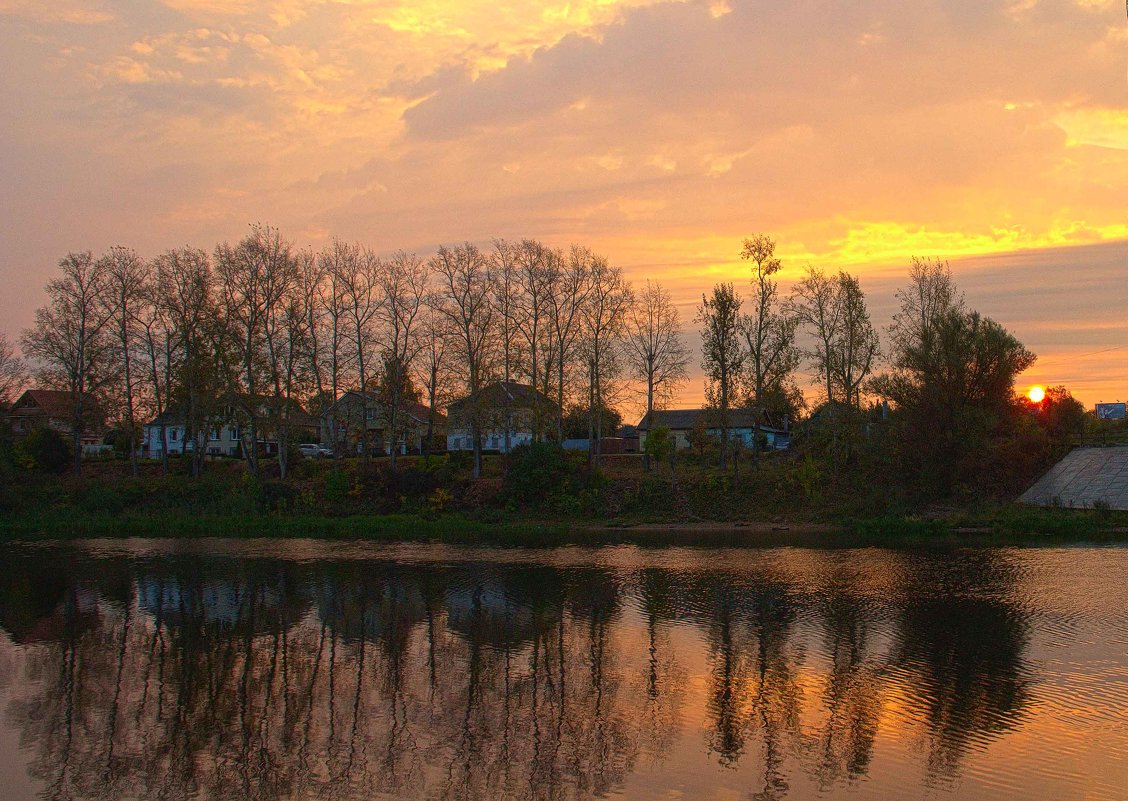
{"type": "Point", "coordinates": [421, 412]}
{"type": "Point", "coordinates": [50, 402]}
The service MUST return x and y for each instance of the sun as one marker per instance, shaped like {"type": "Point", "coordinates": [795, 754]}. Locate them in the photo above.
{"type": "Point", "coordinates": [1036, 394]}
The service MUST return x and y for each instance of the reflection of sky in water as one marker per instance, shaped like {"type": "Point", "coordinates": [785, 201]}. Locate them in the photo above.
{"type": "Point", "coordinates": [441, 672]}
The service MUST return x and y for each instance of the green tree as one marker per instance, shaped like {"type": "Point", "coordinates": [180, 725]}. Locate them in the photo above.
{"type": "Point", "coordinates": [577, 421]}
{"type": "Point", "coordinates": [1060, 415]}
{"type": "Point", "coordinates": [11, 372]}
{"type": "Point", "coordinates": [952, 378]}
{"type": "Point", "coordinates": [660, 447]}
{"type": "Point", "coordinates": [71, 339]}
{"type": "Point", "coordinates": [722, 355]}
{"type": "Point", "coordinates": [43, 449]}
{"type": "Point", "coordinates": [769, 333]}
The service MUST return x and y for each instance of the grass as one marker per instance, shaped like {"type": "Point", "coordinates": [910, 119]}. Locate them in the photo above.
{"type": "Point", "coordinates": [1009, 524]}
{"type": "Point", "coordinates": [57, 524]}
{"type": "Point", "coordinates": [1001, 525]}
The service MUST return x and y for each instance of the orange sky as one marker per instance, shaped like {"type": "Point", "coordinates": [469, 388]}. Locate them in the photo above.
{"type": "Point", "coordinates": [659, 133]}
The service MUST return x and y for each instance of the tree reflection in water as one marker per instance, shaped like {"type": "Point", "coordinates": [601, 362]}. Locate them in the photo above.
{"type": "Point", "coordinates": [218, 677]}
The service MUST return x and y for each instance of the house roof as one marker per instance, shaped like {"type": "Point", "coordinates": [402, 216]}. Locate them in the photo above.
{"type": "Point", "coordinates": [169, 417]}
{"type": "Point", "coordinates": [421, 411]}
{"type": "Point", "coordinates": [685, 419]}
{"type": "Point", "coordinates": [175, 415]}
{"type": "Point", "coordinates": [417, 411]}
{"type": "Point", "coordinates": [51, 402]}
{"type": "Point", "coordinates": [505, 393]}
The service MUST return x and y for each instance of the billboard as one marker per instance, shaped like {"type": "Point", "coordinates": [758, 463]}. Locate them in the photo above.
{"type": "Point", "coordinates": [1112, 411]}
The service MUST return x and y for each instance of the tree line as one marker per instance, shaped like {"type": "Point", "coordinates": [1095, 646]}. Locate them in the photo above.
{"type": "Point", "coordinates": [188, 330]}
{"type": "Point", "coordinates": [275, 325]}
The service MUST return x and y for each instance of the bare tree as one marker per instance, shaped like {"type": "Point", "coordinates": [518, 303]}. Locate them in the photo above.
{"type": "Point", "coordinates": [722, 355]}
{"type": "Point", "coordinates": [856, 347]}
{"type": "Point", "coordinates": [438, 377]}
{"type": "Point", "coordinates": [566, 304]}
{"type": "Point", "coordinates": [160, 352]}
{"type": "Point", "coordinates": [769, 334]}
{"type": "Point", "coordinates": [654, 346]}
{"type": "Point", "coordinates": [403, 281]}
{"type": "Point", "coordinates": [833, 311]}
{"type": "Point", "coordinates": [510, 316]}
{"type": "Point", "coordinates": [11, 372]}
{"type": "Point", "coordinates": [126, 276]}
{"type": "Point", "coordinates": [359, 276]}
{"type": "Point", "coordinates": [336, 263]}
{"type": "Point", "coordinates": [536, 273]}
{"type": "Point", "coordinates": [288, 347]}
{"type": "Point", "coordinates": [185, 290]}
{"type": "Point", "coordinates": [930, 295]}
{"type": "Point", "coordinates": [311, 277]}
{"type": "Point", "coordinates": [815, 305]}
{"type": "Point", "coordinates": [603, 322]}
{"type": "Point", "coordinates": [71, 339]}
{"type": "Point", "coordinates": [465, 283]}
{"type": "Point", "coordinates": [253, 278]}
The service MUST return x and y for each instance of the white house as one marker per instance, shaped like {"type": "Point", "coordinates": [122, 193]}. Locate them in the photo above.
{"type": "Point", "coordinates": [508, 414]}
{"type": "Point", "coordinates": [742, 426]}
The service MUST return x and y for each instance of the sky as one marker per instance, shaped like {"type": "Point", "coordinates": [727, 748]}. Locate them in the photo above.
{"type": "Point", "coordinates": [990, 133]}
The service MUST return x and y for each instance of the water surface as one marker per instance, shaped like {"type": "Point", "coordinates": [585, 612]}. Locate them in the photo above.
{"type": "Point", "coordinates": [307, 670]}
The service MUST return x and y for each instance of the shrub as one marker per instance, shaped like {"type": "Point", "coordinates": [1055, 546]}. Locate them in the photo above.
{"type": "Point", "coordinates": [460, 460]}
{"type": "Point", "coordinates": [100, 498]}
{"type": "Point", "coordinates": [542, 475]}
{"type": "Point", "coordinates": [535, 472]}
{"type": "Point", "coordinates": [337, 485]}
{"type": "Point", "coordinates": [44, 449]}
{"type": "Point", "coordinates": [276, 496]}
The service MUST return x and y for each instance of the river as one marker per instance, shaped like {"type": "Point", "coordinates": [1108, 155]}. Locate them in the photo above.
{"type": "Point", "coordinates": [229, 670]}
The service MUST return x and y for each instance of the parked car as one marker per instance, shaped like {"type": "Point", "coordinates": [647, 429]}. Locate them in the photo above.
{"type": "Point", "coordinates": [312, 450]}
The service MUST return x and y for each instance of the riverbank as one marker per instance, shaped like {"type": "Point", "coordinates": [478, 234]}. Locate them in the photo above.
{"type": "Point", "coordinates": [995, 526]}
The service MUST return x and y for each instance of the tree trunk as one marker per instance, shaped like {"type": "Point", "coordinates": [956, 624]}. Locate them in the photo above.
{"type": "Point", "coordinates": [393, 447]}
{"type": "Point", "coordinates": [724, 421]}
{"type": "Point", "coordinates": [283, 441]}
{"type": "Point", "coordinates": [477, 434]}
{"type": "Point", "coordinates": [560, 396]}
{"type": "Point", "coordinates": [129, 414]}
{"type": "Point", "coordinates": [76, 434]}
{"type": "Point", "coordinates": [649, 412]}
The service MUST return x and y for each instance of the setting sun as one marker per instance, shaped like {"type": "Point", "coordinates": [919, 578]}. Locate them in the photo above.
{"type": "Point", "coordinates": [1036, 394]}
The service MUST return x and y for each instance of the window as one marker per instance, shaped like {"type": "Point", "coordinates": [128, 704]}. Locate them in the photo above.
{"type": "Point", "coordinates": [172, 434]}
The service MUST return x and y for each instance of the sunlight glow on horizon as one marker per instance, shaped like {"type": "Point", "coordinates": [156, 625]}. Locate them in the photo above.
{"type": "Point", "coordinates": [658, 133]}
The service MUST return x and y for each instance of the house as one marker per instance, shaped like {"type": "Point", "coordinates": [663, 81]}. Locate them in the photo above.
{"type": "Point", "coordinates": [509, 413]}
{"type": "Point", "coordinates": [629, 435]}
{"type": "Point", "coordinates": [607, 445]}
{"type": "Point", "coordinates": [54, 409]}
{"type": "Point", "coordinates": [225, 431]}
{"type": "Point", "coordinates": [742, 426]}
{"type": "Point", "coordinates": [354, 412]}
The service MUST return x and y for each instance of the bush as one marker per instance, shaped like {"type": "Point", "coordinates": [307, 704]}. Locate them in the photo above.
{"type": "Point", "coordinates": [337, 486]}
{"type": "Point", "coordinates": [652, 495]}
{"type": "Point", "coordinates": [100, 498]}
{"type": "Point", "coordinates": [460, 460]}
{"type": "Point", "coordinates": [276, 496]}
{"type": "Point", "coordinates": [542, 475]}
{"type": "Point", "coordinates": [44, 449]}
{"type": "Point", "coordinates": [535, 472]}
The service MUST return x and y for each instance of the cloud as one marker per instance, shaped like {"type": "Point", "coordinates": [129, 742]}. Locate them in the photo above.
{"type": "Point", "coordinates": [76, 12]}
{"type": "Point", "coordinates": [658, 133]}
